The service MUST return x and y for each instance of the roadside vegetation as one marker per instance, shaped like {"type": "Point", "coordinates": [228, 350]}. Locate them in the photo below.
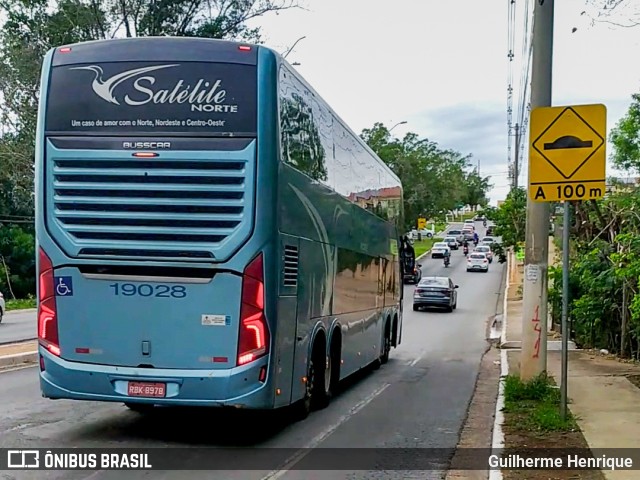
{"type": "Point", "coordinates": [534, 406]}
{"type": "Point", "coordinates": [605, 255]}
{"type": "Point", "coordinates": [21, 304]}
{"type": "Point", "coordinates": [532, 421]}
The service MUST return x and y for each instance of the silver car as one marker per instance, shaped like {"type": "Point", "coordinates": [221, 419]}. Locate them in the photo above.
{"type": "Point", "coordinates": [486, 249]}
{"type": "Point", "coordinates": [452, 242]}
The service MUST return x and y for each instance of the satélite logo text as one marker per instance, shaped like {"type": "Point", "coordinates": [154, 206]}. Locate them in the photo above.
{"type": "Point", "coordinates": [204, 95]}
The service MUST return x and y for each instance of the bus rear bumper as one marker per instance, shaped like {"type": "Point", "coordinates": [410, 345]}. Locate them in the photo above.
{"type": "Point", "coordinates": [238, 387]}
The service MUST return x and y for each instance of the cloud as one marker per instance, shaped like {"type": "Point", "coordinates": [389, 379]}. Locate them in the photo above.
{"type": "Point", "coordinates": [479, 130]}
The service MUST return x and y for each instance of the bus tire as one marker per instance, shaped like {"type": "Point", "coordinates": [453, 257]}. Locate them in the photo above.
{"type": "Point", "coordinates": [314, 386]}
{"type": "Point", "coordinates": [386, 345]}
{"type": "Point", "coordinates": [322, 393]}
{"type": "Point", "coordinates": [332, 369]}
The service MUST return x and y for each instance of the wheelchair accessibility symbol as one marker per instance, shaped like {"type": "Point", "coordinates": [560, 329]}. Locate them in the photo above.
{"type": "Point", "coordinates": [64, 286]}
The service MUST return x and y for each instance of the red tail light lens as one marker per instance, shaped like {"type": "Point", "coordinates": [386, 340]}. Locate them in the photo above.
{"type": "Point", "coordinates": [253, 339]}
{"type": "Point", "coordinates": [47, 320]}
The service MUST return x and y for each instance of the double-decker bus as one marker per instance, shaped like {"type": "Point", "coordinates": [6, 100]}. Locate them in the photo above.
{"type": "Point", "coordinates": [209, 231]}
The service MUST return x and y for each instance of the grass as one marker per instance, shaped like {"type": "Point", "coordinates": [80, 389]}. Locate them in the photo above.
{"type": "Point", "coordinates": [440, 226]}
{"type": "Point", "coordinates": [20, 304]}
{"type": "Point", "coordinates": [535, 405]}
{"type": "Point", "coordinates": [424, 245]}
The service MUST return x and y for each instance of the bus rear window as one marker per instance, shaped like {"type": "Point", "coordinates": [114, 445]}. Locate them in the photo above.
{"type": "Point", "coordinates": [152, 98]}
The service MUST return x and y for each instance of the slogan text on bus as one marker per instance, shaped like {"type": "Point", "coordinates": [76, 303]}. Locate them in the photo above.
{"type": "Point", "coordinates": [204, 96]}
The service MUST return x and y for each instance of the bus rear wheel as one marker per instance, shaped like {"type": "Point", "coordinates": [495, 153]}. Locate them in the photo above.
{"type": "Point", "coordinates": [315, 394]}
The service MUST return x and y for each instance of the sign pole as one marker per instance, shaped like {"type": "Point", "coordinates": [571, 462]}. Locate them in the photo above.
{"type": "Point", "coordinates": [565, 309]}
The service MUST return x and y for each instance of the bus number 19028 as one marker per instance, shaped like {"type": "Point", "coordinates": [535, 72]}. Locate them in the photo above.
{"type": "Point", "coordinates": [147, 290]}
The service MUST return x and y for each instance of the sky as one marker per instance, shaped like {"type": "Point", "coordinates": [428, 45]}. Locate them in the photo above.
{"type": "Point", "coordinates": [442, 67]}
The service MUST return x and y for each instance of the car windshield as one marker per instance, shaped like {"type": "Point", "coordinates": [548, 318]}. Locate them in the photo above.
{"type": "Point", "coordinates": [440, 245]}
{"type": "Point", "coordinates": [482, 249]}
{"type": "Point", "coordinates": [487, 239]}
{"type": "Point", "coordinates": [477, 256]}
{"type": "Point", "coordinates": [450, 239]}
{"type": "Point", "coordinates": [441, 282]}
{"type": "Point", "coordinates": [455, 232]}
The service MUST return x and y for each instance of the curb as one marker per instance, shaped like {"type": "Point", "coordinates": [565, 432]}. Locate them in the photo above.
{"type": "Point", "coordinates": [18, 359]}
{"type": "Point", "coordinates": [497, 440]}
{"type": "Point", "coordinates": [503, 336]}
{"type": "Point", "coordinates": [21, 310]}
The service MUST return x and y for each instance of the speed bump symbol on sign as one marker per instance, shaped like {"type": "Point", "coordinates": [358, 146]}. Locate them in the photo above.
{"type": "Point", "coordinates": [567, 159]}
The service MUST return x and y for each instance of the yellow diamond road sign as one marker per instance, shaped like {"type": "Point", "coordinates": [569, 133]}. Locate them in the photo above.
{"type": "Point", "coordinates": [567, 156]}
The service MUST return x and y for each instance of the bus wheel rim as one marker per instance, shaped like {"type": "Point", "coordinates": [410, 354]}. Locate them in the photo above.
{"type": "Point", "coordinates": [310, 382]}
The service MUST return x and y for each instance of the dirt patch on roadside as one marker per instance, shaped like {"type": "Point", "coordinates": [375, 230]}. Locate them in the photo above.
{"type": "Point", "coordinates": [518, 438]}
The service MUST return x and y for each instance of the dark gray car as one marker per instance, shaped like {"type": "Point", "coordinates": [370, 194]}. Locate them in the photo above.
{"type": "Point", "coordinates": [435, 292]}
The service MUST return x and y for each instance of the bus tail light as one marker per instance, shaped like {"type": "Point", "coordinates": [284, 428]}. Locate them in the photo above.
{"type": "Point", "coordinates": [253, 339]}
{"type": "Point", "coordinates": [47, 319]}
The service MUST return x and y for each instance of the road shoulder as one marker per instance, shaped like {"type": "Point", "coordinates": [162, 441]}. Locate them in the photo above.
{"type": "Point", "coordinates": [477, 430]}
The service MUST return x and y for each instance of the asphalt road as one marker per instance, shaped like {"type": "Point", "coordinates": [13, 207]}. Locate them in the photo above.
{"type": "Point", "coordinates": [18, 326]}
{"type": "Point", "coordinates": [418, 400]}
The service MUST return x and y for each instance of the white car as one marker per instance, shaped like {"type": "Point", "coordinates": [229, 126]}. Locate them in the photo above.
{"type": "Point", "coordinates": [2, 306]}
{"type": "Point", "coordinates": [477, 262]}
{"type": "Point", "coordinates": [438, 250]}
{"type": "Point", "coordinates": [425, 233]}
{"type": "Point", "coordinates": [486, 249]}
{"type": "Point", "coordinates": [488, 241]}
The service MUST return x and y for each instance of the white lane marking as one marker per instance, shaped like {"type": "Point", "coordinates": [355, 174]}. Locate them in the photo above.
{"type": "Point", "coordinates": [416, 360]}
{"type": "Point", "coordinates": [303, 452]}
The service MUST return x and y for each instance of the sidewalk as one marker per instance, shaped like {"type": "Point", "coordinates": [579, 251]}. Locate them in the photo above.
{"type": "Point", "coordinates": [601, 394]}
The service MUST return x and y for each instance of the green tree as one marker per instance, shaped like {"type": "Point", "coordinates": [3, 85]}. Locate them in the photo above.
{"type": "Point", "coordinates": [434, 180]}
{"type": "Point", "coordinates": [476, 189]}
{"type": "Point", "coordinates": [510, 221]}
{"type": "Point", "coordinates": [625, 138]}
{"type": "Point", "coordinates": [17, 261]}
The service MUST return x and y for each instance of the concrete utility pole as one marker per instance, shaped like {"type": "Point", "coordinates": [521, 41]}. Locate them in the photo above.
{"type": "Point", "coordinates": [533, 359]}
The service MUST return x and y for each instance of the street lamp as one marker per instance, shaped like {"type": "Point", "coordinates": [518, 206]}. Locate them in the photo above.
{"type": "Point", "coordinates": [397, 124]}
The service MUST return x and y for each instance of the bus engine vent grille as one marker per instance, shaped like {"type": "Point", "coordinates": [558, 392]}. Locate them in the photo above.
{"type": "Point", "coordinates": [179, 205]}
{"type": "Point", "coordinates": [290, 266]}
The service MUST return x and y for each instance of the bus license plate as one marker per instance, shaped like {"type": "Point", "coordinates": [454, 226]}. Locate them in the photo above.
{"type": "Point", "coordinates": [147, 389]}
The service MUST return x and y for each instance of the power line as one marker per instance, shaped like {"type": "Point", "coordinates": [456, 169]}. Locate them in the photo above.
{"type": "Point", "coordinates": [517, 132]}
{"type": "Point", "coordinates": [511, 26]}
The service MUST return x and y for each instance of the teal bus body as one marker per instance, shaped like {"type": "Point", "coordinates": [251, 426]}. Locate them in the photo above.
{"type": "Point", "coordinates": [209, 232]}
